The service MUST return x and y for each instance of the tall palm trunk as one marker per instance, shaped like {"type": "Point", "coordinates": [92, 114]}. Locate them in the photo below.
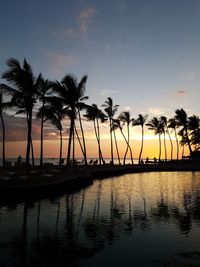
{"type": "Point", "coordinates": [96, 133]}
{"type": "Point", "coordinates": [124, 162]}
{"type": "Point", "coordinates": [32, 153]}
{"type": "Point", "coordinates": [81, 146]}
{"type": "Point", "coordinates": [3, 140]}
{"type": "Point", "coordinates": [159, 147]}
{"type": "Point", "coordinates": [84, 145]}
{"type": "Point", "coordinates": [111, 142]}
{"type": "Point", "coordinates": [165, 147]}
{"type": "Point", "coordinates": [29, 125]}
{"type": "Point", "coordinates": [177, 145]}
{"type": "Point", "coordinates": [41, 138]}
{"type": "Point", "coordinates": [60, 161]}
{"type": "Point", "coordinates": [127, 145]}
{"type": "Point", "coordinates": [116, 147]}
{"type": "Point", "coordinates": [70, 138]}
{"type": "Point", "coordinates": [170, 143]}
{"type": "Point", "coordinates": [73, 147]}
{"type": "Point", "coordinates": [141, 145]}
{"type": "Point", "coordinates": [183, 151]}
{"type": "Point", "coordinates": [99, 140]}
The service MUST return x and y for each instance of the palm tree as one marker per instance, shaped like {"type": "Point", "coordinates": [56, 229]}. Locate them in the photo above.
{"type": "Point", "coordinates": [140, 121]}
{"type": "Point", "coordinates": [182, 121]}
{"type": "Point", "coordinates": [93, 113]}
{"type": "Point", "coordinates": [194, 127]}
{"type": "Point", "coordinates": [23, 93]}
{"type": "Point", "coordinates": [125, 118]}
{"type": "Point", "coordinates": [110, 110]}
{"type": "Point", "coordinates": [54, 112]}
{"type": "Point", "coordinates": [115, 125]}
{"type": "Point", "coordinates": [72, 94]}
{"type": "Point", "coordinates": [154, 124]}
{"type": "Point", "coordinates": [172, 124]}
{"type": "Point", "coordinates": [183, 140]}
{"type": "Point", "coordinates": [2, 107]}
{"type": "Point", "coordinates": [43, 88]}
{"type": "Point", "coordinates": [163, 125]}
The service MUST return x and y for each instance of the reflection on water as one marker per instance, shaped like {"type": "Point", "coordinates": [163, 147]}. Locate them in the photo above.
{"type": "Point", "coordinates": [149, 219]}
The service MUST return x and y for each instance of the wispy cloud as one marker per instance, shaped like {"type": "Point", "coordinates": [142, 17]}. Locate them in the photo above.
{"type": "Point", "coordinates": [181, 92]}
{"type": "Point", "coordinates": [107, 92]}
{"type": "Point", "coordinates": [59, 58]}
{"type": "Point", "coordinates": [155, 111]}
{"type": "Point", "coordinates": [85, 19]}
{"type": "Point", "coordinates": [82, 23]}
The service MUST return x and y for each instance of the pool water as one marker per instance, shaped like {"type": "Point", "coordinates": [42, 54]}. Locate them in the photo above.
{"type": "Point", "coordinates": [146, 219]}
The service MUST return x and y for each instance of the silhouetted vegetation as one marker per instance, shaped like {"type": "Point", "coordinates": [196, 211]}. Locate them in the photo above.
{"type": "Point", "coordinates": [54, 101]}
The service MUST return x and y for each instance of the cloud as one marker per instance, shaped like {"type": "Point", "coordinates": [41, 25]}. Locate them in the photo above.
{"type": "Point", "coordinates": [181, 92]}
{"type": "Point", "coordinates": [155, 111]}
{"type": "Point", "coordinates": [107, 92]}
{"type": "Point", "coordinates": [16, 129]}
{"type": "Point", "coordinates": [85, 19]}
{"type": "Point", "coordinates": [58, 58]}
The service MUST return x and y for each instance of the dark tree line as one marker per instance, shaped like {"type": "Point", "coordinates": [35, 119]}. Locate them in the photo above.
{"type": "Point", "coordinates": [67, 99]}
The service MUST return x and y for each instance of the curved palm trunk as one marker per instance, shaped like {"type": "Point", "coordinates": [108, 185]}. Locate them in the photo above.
{"type": "Point", "coordinates": [99, 140]}
{"type": "Point", "coordinates": [170, 143]}
{"type": "Point", "coordinates": [188, 140]}
{"type": "Point", "coordinates": [3, 140]}
{"type": "Point", "coordinates": [95, 130]}
{"type": "Point", "coordinates": [81, 146]}
{"type": "Point", "coordinates": [127, 144]}
{"type": "Point", "coordinates": [70, 139]}
{"type": "Point", "coordinates": [124, 162]}
{"type": "Point", "coordinates": [60, 161]}
{"type": "Point", "coordinates": [165, 147]}
{"type": "Point", "coordinates": [116, 147]}
{"type": "Point", "coordinates": [159, 148]}
{"type": "Point", "coordinates": [141, 145]}
{"type": "Point", "coordinates": [111, 142]}
{"type": "Point", "coordinates": [84, 146]}
{"type": "Point", "coordinates": [177, 145]}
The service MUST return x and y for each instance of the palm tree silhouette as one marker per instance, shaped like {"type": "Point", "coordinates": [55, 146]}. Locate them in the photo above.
{"type": "Point", "coordinates": [194, 127]}
{"type": "Point", "coordinates": [125, 118]}
{"type": "Point", "coordinates": [2, 107]}
{"type": "Point", "coordinates": [54, 112]}
{"type": "Point", "coordinates": [140, 121]}
{"type": "Point", "coordinates": [182, 121]}
{"type": "Point", "coordinates": [93, 113]}
{"type": "Point", "coordinates": [110, 110]}
{"type": "Point", "coordinates": [183, 140]}
{"type": "Point", "coordinates": [72, 94]}
{"type": "Point", "coordinates": [154, 124]}
{"type": "Point", "coordinates": [117, 125]}
{"type": "Point", "coordinates": [23, 93]}
{"type": "Point", "coordinates": [172, 124]}
{"type": "Point", "coordinates": [42, 91]}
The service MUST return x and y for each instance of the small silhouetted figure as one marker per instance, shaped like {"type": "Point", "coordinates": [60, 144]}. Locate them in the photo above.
{"type": "Point", "coordinates": [147, 160]}
{"type": "Point", "coordinates": [155, 159]}
{"type": "Point", "coordinates": [142, 161]}
{"type": "Point", "coordinates": [19, 160]}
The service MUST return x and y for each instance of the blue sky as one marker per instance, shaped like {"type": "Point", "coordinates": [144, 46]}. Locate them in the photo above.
{"type": "Point", "coordinates": [144, 54]}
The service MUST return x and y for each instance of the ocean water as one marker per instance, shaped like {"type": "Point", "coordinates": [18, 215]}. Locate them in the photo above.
{"type": "Point", "coordinates": [144, 219]}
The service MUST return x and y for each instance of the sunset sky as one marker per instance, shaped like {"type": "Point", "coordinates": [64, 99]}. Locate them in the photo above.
{"type": "Point", "coordinates": [145, 54]}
